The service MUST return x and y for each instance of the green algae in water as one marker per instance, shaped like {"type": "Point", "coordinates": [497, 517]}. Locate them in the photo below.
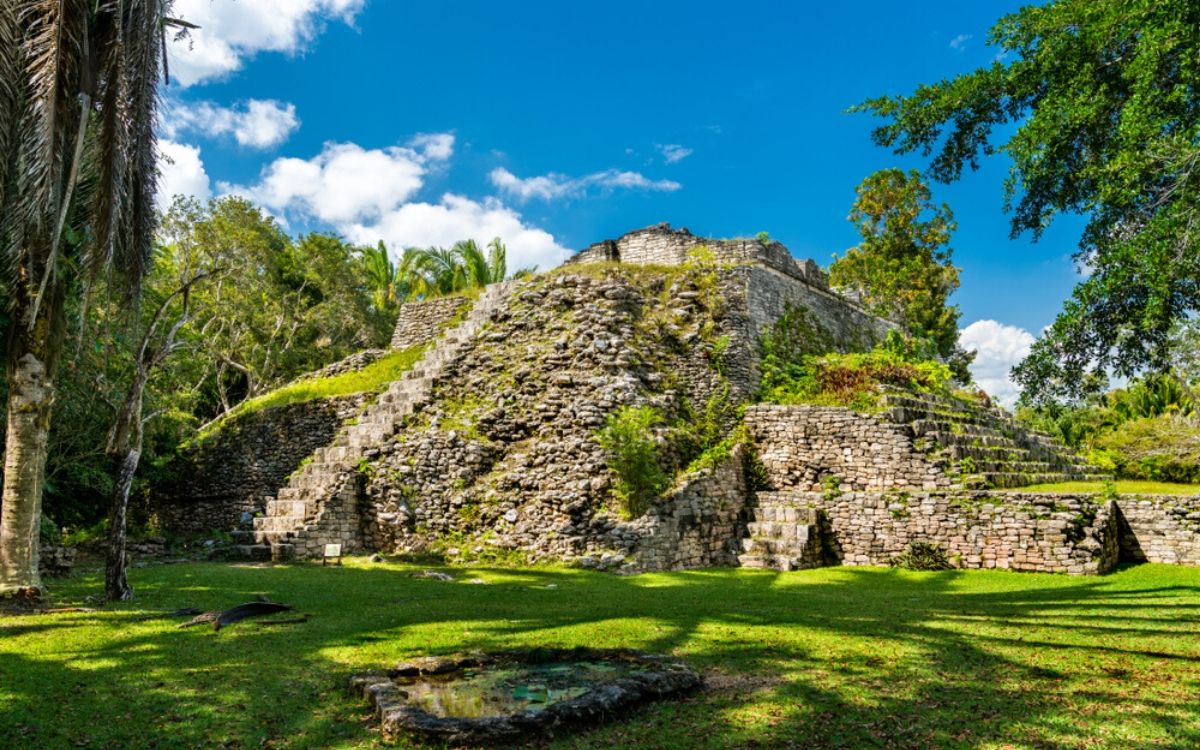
{"type": "Point", "coordinates": [504, 689]}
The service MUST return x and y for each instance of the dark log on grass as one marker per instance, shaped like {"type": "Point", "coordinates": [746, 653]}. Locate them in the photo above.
{"type": "Point", "coordinates": [236, 614]}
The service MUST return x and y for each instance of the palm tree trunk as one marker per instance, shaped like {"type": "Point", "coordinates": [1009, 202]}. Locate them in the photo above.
{"type": "Point", "coordinates": [33, 353]}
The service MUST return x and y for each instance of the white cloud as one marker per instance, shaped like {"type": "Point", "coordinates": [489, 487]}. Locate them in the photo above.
{"type": "Point", "coordinates": [233, 30]}
{"type": "Point", "coordinates": [346, 183]}
{"type": "Point", "coordinates": [182, 173]}
{"type": "Point", "coordinates": [1000, 347]}
{"type": "Point", "coordinates": [457, 218]}
{"type": "Point", "coordinates": [367, 195]}
{"type": "Point", "coordinates": [673, 152]}
{"type": "Point", "coordinates": [959, 43]}
{"type": "Point", "coordinates": [551, 186]}
{"type": "Point", "coordinates": [260, 123]}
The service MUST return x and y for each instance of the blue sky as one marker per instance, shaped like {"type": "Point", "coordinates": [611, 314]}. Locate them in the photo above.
{"type": "Point", "coordinates": [559, 124]}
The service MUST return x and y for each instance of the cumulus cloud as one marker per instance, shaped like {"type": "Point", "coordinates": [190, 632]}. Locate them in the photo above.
{"type": "Point", "coordinates": [553, 185]}
{"type": "Point", "coordinates": [673, 152]}
{"type": "Point", "coordinates": [999, 348]}
{"type": "Point", "coordinates": [368, 195]}
{"type": "Point", "coordinates": [456, 218]}
{"type": "Point", "coordinates": [347, 183]}
{"type": "Point", "coordinates": [259, 123]}
{"type": "Point", "coordinates": [181, 173]}
{"type": "Point", "coordinates": [959, 43]}
{"type": "Point", "coordinates": [230, 32]}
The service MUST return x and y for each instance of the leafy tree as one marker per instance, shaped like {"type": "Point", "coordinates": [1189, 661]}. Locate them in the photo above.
{"type": "Point", "coordinates": [1095, 103]}
{"type": "Point", "coordinates": [282, 307]}
{"type": "Point", "coordinates": [902, 267]}
{"type": "Point", "coordinates": [78, 94]}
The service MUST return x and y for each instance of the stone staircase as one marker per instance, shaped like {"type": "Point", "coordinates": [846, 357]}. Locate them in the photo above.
{"type": "Point", "coordinates": [983, 445]}
{"type": "Point", "coordinates": [782, 534]}
{"type": "Point", "coordinates": [318, 505]}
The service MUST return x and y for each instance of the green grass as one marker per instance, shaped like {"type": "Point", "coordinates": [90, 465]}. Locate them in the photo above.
{"type": "Point", "coordinates": [375, 377]}
{"type": "Point", "coordinates": [1123, 487]}
{"type": "Point", "coordinates": [831, 658]}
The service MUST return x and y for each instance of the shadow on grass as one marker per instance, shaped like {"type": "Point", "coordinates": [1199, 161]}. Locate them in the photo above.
{"type": "Point", "coordinates": [840, 658]}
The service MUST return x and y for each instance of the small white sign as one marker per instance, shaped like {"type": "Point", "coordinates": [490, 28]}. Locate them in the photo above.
{"type": "Point", "coordinates": [333, 550]}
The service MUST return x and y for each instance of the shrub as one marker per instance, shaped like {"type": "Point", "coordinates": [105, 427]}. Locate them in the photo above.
{"type": "Point", "coordinates": [853, 379]}
{"type": "Point", "coordinates": [1165, 448]}
{"type": "Point", "coordinates": [921, 556]}
{"type": "Point", "coordinates": [628, 438]}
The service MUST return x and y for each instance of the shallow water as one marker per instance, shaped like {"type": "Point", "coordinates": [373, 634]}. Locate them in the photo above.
{"type": "Point", "coordinates": [503, 689]}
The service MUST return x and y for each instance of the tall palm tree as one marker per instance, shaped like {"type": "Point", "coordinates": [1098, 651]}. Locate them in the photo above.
{"type": "Point", "coordinates": [381, 276]}
{"type": "Point", "coordinates": [78, 94]}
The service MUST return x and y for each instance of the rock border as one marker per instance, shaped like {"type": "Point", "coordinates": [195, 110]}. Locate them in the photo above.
{"type": "Point", "coordinates": [665, 677]}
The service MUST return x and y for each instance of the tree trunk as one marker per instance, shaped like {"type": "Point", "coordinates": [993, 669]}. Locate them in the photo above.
{"type": "Point", "coordinates": [33, 354]}
{"type": "Point", "coordinates": [116, 584]}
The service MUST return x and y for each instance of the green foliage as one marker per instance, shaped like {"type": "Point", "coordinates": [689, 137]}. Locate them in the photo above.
{"type": "Point", "coordinates": [436, 271]}
{"type": "Point", "coordinates": [1165, 448]}
{"type": "Point", "coordinates": [1149, 429]}
{"type": "Point", "coordinates": [633, 455]}
{"type": "Point", "coordinates": [902, 265]}
{"type": "Point", "coordinates": [921, 556]}
{"type": "Point", "coordinates": [1094, 105]}
{"type": "Point", "coordinates": [855, 379]}
{"type": "Point", "coordinates": [280, 307]}
{"type": "Point", "coordinates": [763, 237]}
{"type": "Point", "coordinates": [373, 378]}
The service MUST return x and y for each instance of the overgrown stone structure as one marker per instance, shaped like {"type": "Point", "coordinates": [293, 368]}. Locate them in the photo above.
{"type": "Point", "coordinates": [488, 448]}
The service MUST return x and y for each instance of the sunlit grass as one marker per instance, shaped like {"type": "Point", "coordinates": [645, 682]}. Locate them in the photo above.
{"type": "Point", "coordinates": [1122, 487]}
{"type": "Point", "coordinates": [373, 378]}
{"type": "Point", "coordinates": [831, 658]}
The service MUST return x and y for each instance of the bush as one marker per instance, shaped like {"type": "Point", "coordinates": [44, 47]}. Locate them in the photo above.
{"type": "Point", "coordinates": [628, 438]}
{"type": "Point", "coordinates": [921, 556]}
{"type": "Point", "coordinates": [1165, 448]}
{"type": "Point", "coordinates": [855, 379]}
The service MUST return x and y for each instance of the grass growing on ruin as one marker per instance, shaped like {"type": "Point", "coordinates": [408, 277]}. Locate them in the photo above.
{"type": "Point", "coordinates": [832, 658]}
{"type": "Point", "coordinates": [1121, 486]}
{"type": "Point", "coordinates": [373, 378]}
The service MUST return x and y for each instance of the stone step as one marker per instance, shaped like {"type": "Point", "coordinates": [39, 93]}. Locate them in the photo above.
{"type": "Point", "coordinates": [780, 547]}
{"type": "Point", "coordinates": [793, 533]}
{"type": "Point", "coordinates": [277, 523]}
{"type": "Point", "coordinates": [242, 537]}
{"type": "Point", "coordinates": [288, 508]}
{"type": "Point", "coordinates": [282, 551]}
{"type": "Point", "coordinates": [254, 551]}
{"type": "Point", "coordinates": [772, 562]}
{"type": "Point", "coordinates": [273, 537]}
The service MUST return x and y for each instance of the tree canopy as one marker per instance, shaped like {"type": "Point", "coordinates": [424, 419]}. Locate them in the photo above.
{"type": "Point", "coordinates": [902, 267]}
{"type": "Point", "coordinates": [1095, 104]}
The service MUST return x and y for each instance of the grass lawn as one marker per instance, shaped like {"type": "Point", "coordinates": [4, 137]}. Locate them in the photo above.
{"type": "Point", "coordinates": [831, 658]}
{"type": "Point", "coordinates": [1123, 487]}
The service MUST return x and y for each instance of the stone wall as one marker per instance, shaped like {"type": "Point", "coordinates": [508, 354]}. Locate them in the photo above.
{"type": "Point", "coordinates": [248, 458]}
{"type": "Point", "coordinates": [697, 525]}
{"type": "Point", "coordinates": [660, 245]}
{"type": "Point", "coordinates": [808, 447]}
{"type": "Point", "coordinates": [421, 322]}
{"type": "Point", "coordinates": [1043, 533]}
{"type": "Point", "coordinates": [1161, 528]}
